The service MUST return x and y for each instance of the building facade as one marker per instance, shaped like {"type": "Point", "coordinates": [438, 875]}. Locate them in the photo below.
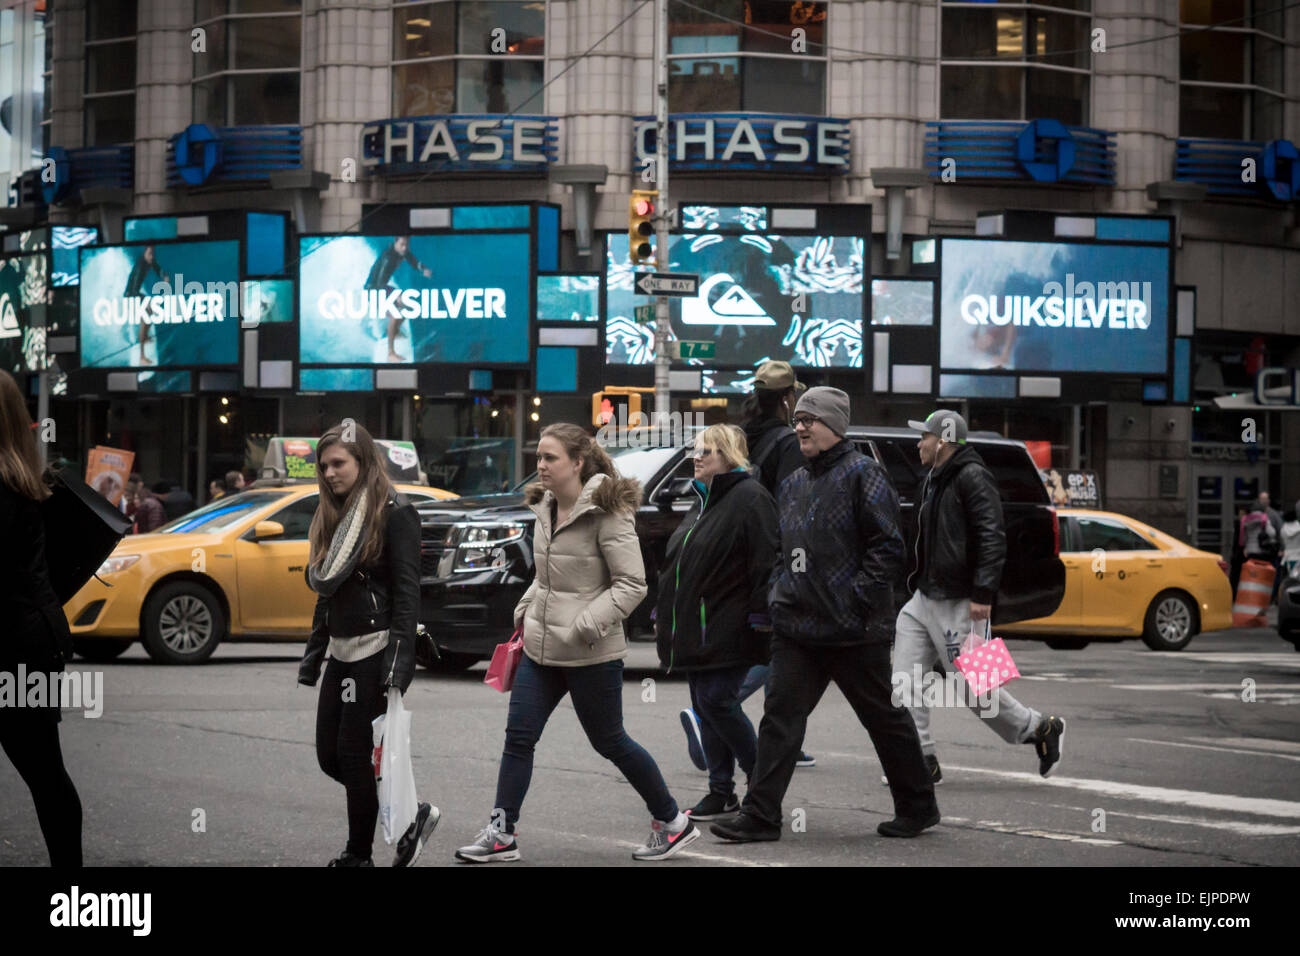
{"type": "Point", "coordinates": [1042, 124]}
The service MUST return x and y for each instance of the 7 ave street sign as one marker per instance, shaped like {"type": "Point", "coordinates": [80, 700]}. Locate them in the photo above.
{"type": "Point", "coordinates": [686, 348]}
{"type": "Point", "coordinates": [679, 284]}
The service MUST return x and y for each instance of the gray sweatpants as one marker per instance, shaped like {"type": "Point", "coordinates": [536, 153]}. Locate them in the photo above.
{"type": "Point", "coordinates": [930, 630]}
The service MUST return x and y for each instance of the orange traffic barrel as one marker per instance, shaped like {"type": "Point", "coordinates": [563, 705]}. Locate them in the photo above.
{"type": "Point", "coordinates": [1254, 593]}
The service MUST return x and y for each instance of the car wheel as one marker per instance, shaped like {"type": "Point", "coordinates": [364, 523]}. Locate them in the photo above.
{"type": "Point", "coordinates": [1068, 643]}
{"type": "Point", "coordinates": [99, 649]}
{"type": "Point", "coordinates": [1170, 623]}
{"type": "Point", "coordinates": [183, 624]}
{"type": "Point", "coordinates": [451, 663]}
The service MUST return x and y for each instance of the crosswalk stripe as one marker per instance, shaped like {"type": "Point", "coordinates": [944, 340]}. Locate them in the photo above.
{"type": "Point", "coordinates": [1226, 750]}
{"type": "Point", "coordinates": [1259, 806]}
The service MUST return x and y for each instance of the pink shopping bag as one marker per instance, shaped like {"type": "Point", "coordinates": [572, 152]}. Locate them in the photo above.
{"type": "Point", "coordinates": [505, 661]}
{"type": "Point", "coordinates": [986, 665]}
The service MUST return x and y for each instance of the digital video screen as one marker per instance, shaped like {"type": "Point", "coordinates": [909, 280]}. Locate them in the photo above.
{"type": "Point", "coordinates": [401, 299]}
{"type": "Point", "coordinates": [23, 285]}
{"type": "Point", "coordinates": [794, 298]}
{"type": "Point", "coordinates": [266, 300]}
{"type": "Point", "coordinates": [902, 302]}
{"type": "Point", "coordinates": [571, 298]}
{"type": "Point", "coordinates": [160, 305]}
{"type": "Point", "coordinates": [1053, 307]}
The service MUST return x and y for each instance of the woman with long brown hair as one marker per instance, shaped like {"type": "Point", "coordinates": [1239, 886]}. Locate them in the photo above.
{"type": "Point", "coordinates": [35, 633]}
{"type": "Point", "coordinates": [589, 578]}
{"type": "Point", "coordinates": [364, 566]}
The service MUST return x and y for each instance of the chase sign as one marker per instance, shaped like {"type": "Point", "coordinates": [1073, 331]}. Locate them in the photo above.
{"type": "Point", "coordinates": [459, 143]}
{"type": "Point", "coordinates": [750, 142]}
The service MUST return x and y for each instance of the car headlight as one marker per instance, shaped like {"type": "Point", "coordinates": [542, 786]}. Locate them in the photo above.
{"type": "Point", "coordinates": [118, 562]}
{"type": "Point", "coordinates": [477, 545]}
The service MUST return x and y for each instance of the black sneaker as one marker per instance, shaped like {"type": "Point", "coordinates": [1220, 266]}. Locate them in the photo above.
{"type": "Point", "coordinates": [416, 835]}
{"type": "Point", "coordinates": [907, 826]}
{"type": "Point", "coordinates": [349, 859]}
{"type": "Point", "coordinates": [745, 829]}
{"type": "Point", "coordinates": [1049, 742]}
{"type": "Point", "coordinates": [713, 806]}
{"type": "Point", "coordinates": [931, 764]}
{"type": "Point", "coordinates": [805, 760]}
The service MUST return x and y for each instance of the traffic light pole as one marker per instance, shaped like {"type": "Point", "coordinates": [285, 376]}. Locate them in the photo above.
{"type": "Point", "coordinates": [663, 329]}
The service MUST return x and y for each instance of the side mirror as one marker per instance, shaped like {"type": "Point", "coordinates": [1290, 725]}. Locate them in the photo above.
{"type": "Point", "coordinates": [268, 529]}
{"type": "Point", "coordinates": [674, 490]}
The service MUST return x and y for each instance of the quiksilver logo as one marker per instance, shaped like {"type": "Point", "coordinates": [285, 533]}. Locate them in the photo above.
{"type": "Point", "coordinates": [1114, 305]}
{"type": "Point", "coordinates": [413, 304]}
{"type": "Point", "coordinates": [8, 319]}
{"type": "Point", "coordinates": [734, 306]}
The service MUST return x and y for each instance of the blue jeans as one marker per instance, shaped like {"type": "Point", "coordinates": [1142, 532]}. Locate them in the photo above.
{"type": "Point", "coordinates": [597, 693]}
{"type": "Point", "coordinates": [756, 678]}
{"type": "Point", "coordinates": [725, 731]}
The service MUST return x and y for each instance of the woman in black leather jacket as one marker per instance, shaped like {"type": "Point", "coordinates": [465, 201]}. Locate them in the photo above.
{"type": "Point", "coordinates": [365, 569]}
{"type": "Point", "coordinates": [34, 634]}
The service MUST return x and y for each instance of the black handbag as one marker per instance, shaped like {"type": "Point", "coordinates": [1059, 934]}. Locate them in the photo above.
{"type": "Point", "coordinates": [81, 530]}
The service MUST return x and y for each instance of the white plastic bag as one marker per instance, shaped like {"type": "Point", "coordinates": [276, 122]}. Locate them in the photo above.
{"type": "Point", "coordinates": [394, 774]}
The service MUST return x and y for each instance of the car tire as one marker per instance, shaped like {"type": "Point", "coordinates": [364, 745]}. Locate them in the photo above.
{"type": "Point", "coordinates": [1067, 643]}
{"type": "Point", "coordinates": [99, 650]}
{"type": "Point", "coordinates": [182, 624]}
{"type": "Point", "coordinates": [1170, 622]}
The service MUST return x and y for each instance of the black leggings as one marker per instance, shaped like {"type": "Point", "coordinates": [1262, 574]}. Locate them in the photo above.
{"type": "Point", "coordinates": [31, 741]}
{"type": "Point", "coordinates": [345, 742]}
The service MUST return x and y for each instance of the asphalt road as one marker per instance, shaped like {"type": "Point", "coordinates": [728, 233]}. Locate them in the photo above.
{"type": "Point", "coordinates": [1185, 770]}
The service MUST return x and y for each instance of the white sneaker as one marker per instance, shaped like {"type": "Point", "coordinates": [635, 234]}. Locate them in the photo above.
{"type": "Point", "coordinates": [662, 844]}
{"type": "Point", "coordinates": [490, 846]}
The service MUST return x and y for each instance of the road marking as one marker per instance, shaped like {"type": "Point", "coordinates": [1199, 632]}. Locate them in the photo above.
{"type": "Point", "coordinates": [688, 852]}
{"type": "Point", "coordinates": [1269, 658]}
{"type": "Point", "coordinates": [1219, 687]}
{"type": "Point", "coordinates": [1233, 826]}
{"type": "Point", "coordinates": [1226, 750]}
{"type": "Point", "coordinates": [1259, 806]}
{"type": "Point", "coordinates": [1260, 743]}
{"type": "Point", "coordinates": [999, 827]}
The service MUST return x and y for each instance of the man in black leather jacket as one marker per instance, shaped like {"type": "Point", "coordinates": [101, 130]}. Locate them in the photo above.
{"type": "Point", "coordinates": [960, 550]}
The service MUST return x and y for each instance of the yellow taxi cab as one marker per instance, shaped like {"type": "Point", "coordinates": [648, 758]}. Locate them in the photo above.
{"type": "Point", "coordinates": [231, 569]}
{"type": "Point", "coordinates": [1124, 578]}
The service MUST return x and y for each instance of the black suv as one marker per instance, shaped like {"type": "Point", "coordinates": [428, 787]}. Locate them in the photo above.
{"type": "Point", "coordinates": [476, 553]}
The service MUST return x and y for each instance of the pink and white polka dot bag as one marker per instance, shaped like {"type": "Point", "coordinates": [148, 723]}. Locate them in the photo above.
{"type": "Point", "coordinates": [986, 664]}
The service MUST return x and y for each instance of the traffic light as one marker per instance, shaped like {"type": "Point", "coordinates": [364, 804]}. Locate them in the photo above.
{"type": "Point", "coordinates": [614, 407]}
{"type": "Point", "coordinates": [640, 225]}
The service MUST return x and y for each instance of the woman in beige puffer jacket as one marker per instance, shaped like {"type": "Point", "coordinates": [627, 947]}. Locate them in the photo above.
{"type": "Point", "coordinates": [589, 578]}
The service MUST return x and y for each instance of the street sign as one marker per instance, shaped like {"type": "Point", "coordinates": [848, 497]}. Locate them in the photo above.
{"type": "Point", "coordinates": [685, 348]}
{"type": "Point", "coordinates": [644, 314]}
{"type": "Point", "coordinates": [679, 284]}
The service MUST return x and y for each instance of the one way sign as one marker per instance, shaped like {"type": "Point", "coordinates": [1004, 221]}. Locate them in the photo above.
{"type": "Point", "coordinates": [679, 284]}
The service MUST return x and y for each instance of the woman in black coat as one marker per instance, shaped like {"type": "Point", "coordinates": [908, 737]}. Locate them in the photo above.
{"type": "Point", "coordinates": [34, 636]}
{"type": "Point", "coordinates": [712, 596]}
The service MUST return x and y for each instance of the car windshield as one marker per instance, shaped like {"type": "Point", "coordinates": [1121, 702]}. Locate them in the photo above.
{"type": "Point", "coordinates": [639, 463]}
{"type": "Point", "coordinates": [222, 513]}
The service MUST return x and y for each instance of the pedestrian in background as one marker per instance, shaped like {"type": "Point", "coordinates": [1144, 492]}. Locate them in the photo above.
{"type": "Point", "coordinates": [364, 566]}
{"type": "Point", "coordinates": [832, 608]}
{"type": "Point", "coordinates": [1265, 505]}
{"type": "Point", "coordinates": [589, 577]}
{"type": "Point", "coordinates": [961, 548]}
{"type": "Point", "coordinates": [176, 501]}
{"type": "Point", "coordinates": [235, 479]}
{"type": "Point", "coordinates": [35, 633]}
{"type": "Point", "coordinates": [216, 489]}
{"type": "Point", "coordinates": [774, 455]}
{"type": "Point", "coordinates": [1291, 542]}
{"type": "Point", "coordinates": [148, 513]}
{"type": "Point", "coordinates": [711, 595]}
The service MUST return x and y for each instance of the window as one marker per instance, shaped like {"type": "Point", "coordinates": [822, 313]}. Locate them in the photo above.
{"type": "Point", "coordinates": [1012, 61]}
{"type": "Point", "coordinates": [745, 55]}
{"type": "Point", "coordinates": [1109, 536]}
{"type": "Point", "coordinates": [1231, 77]}
{"type": "Point", "coordinates": [22, 85]}
{"type": "Point", "coordinates": [249, 70]}
{"type": "Point", "coordinates": [110, 72]}
{"type": "Point", "coordinates": [457, 56]}
{"type": "Point", "coordinates": [296, 518]}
